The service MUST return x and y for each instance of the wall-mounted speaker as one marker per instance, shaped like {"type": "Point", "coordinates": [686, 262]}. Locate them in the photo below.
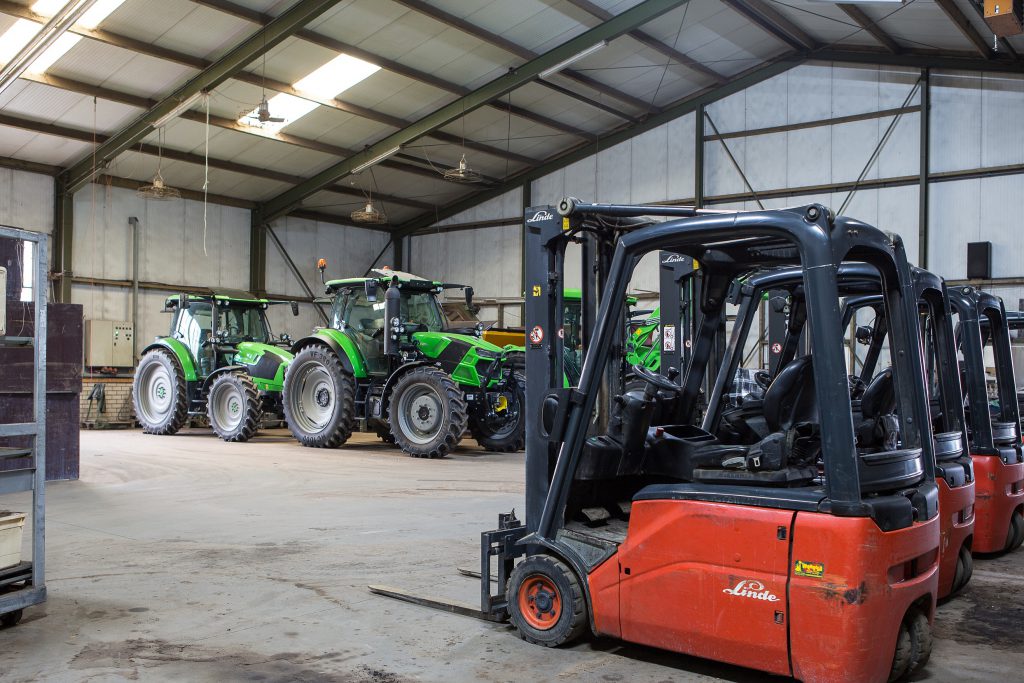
{"type": "Point", "coordinates": [979, 260]}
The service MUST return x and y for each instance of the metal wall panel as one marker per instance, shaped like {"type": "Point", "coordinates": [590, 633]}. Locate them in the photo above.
{"type": "Point", "coordinates": [489, 259]}
{"type": "Point", "coordinates": [955, 121]}
{"type": "Point", "coordinates": [954, 220]}
{"type": "Point", "coordinates": [26, 200]}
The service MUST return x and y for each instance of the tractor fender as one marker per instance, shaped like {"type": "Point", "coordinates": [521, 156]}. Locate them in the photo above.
{"type": "Point", "coordinates": [571, 558]}
{"type": "Point", "coordinates": [180, 352]}
{"type": "Point", "coordinates": [217, 373]}
{"type": "Point", "coordinates": [340, 348]}
{"type": "Point", "coordinates": [390, 382]}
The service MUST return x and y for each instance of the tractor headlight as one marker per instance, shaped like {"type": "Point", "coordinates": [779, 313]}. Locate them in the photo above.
{"type": "Point", "coordinates": [395, 322]}
{"type": "Point", "coordinates": [479, 329]}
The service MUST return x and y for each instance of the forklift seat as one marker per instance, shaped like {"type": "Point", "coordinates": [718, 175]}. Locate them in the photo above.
{"type": "Point", "coordinates": [878, 427]}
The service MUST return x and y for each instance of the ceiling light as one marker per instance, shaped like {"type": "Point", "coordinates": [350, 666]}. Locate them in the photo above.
{"type": "Point", "coordinates": [376, 160]}
{"type": "Point", "coordinates": [336, 76]}
{"type": "Point", "coordinates": [575, 58]}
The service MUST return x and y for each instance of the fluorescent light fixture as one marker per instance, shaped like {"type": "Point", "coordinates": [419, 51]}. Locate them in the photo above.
{"type": "Point", "coordinates": [336, 76]}
{"type": "Point", "coordinates": [173, 114]}
{"type": "Point", "coordinates": [572, 60]}
{"type": "Point", "coordinates": [376, 160]}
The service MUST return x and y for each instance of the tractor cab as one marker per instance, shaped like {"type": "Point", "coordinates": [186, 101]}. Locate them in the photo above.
{"type": "Point", "coordinates": [669, 535]}
{"type": "Point", "coordinates": [993, 418]}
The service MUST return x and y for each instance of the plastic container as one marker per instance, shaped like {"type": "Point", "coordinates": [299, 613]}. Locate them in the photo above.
{"type": "Point", "coordinates": [11, 526]}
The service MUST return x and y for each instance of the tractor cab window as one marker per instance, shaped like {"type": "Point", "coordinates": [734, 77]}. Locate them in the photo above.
{"type": "Point", "coordinates": [193, 325]}
{"type": "Point", "coordinates": [421, 308]}
{"type": "Point", "coordinates": [363, 321]}
{"type": "Point", "coordinates": [241, 323]}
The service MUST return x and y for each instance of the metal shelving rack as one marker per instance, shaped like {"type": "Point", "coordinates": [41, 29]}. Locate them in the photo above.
{"type": "Point", "coordinates": [22, 586]}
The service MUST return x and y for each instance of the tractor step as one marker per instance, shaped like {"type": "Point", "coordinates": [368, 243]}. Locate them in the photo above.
{"type": "Point", "coordinates": [451, 607]}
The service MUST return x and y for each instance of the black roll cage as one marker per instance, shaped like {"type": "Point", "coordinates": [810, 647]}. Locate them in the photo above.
{"type": "Point", "coordinates": [726, 245]}
{"type": "Point", "coordinates": [977, 311]}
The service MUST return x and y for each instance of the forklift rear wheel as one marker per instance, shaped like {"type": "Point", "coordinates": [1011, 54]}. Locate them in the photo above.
{"type": "Point", "coordinates": [319, 398]}
{"type": "Point", "coordinates": [159, 393]}
{"type": "Point", "coordinates": [545, 601]}
{"type": "Point", "coordinates": [913, 646]}
{"type": "Point", "coordinates": [1015, 535]}
{"type": "Point", "coordinates": [427, 412]}
{"type": "Point", "coordinates": [504, 433]}
{"type": "Point", "coordinates": [234, 407]}
{"type": "Point", "coordinates": [964, 569]}
{"type": "Point", "coordinates": [11, 618]}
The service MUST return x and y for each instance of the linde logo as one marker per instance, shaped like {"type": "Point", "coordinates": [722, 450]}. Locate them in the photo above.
{"type": "Point", "coordinates": [673, 258]}
{"type": "Point", "coordinates": [755, 590]}
{"type": "Point", "coordinates": [540, 216]}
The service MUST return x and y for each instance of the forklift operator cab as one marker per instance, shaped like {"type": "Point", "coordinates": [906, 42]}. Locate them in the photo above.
{"type": "Point", "coordinates": [994, 436]}
{"type": "Point", "coordinates": [659, 535]}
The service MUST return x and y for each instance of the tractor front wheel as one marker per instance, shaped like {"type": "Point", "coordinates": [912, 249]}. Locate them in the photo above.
{"type": "Point", "coordinates": [159, 393]}
{"type": "Point", "coordinates": [427, 413]}
{"type": "Point", "coordinates": [505, 431]}
{"type": "Point", "coordinates": [234, 406]}
{"type": "Point", "coordinates": [319, 398]}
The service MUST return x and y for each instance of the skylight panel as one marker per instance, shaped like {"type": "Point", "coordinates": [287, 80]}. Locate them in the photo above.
{"type": "Point", "coordinates": [286, 107]}
{"type": "Point", "coordinates": [336, 76]}
{"type": "Point", "coordinates": [23, 31]}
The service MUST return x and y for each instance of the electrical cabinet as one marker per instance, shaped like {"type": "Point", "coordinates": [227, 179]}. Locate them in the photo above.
{"type": "Point", "coordinates": [109, 343]}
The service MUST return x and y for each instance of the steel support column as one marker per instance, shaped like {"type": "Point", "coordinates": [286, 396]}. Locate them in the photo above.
{"type": "Point", "coordinates": [63, 238]}
{"type": "Point", "coordinates": [922, 210]}
{"type": "Point", "coordinates": [257, 254]}
{"type": "Point", "coordinates": [698, 157]}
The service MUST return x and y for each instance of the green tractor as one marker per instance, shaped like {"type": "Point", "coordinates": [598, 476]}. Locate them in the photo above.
{"type": "Point", "coordinates": [220, 361]}
{"type": "Point", "coordinates": [390, 364]}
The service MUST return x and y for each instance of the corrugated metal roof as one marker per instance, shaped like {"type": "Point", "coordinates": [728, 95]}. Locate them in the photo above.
{"type": "Point", "coordinates": [705, 30]}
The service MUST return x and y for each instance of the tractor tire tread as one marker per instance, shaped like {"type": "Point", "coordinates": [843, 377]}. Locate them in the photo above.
{"type": "Point", "coordinates": [253, 410]}
{"type": "Point", "coordinates": [458, 412]}
{"type": "Point", "coordinates": [180, 414]}
{"type": "Point", "coordinates": [346, 385]}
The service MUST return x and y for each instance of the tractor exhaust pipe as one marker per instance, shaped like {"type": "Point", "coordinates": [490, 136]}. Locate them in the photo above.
{"type": "Point", "coordinates": [392, 320]}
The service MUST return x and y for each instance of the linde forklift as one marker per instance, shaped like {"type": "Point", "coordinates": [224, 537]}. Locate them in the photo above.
{"type": "Point", "coordinates": [629, 532]}
{"type": "Point", "coordinates": [872, 390]}
{"type": "Point", "coordinates": [995, 437]}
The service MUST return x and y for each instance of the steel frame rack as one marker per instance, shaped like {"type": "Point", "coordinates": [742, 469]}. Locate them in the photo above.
{"type": "Point", "coordinates": [23, 585]}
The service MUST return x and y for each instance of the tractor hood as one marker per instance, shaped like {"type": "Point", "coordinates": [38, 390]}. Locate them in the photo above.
{"type": "Point", "coordinates": [265, 363]}
{"type": "Point", "coordinates": [471, 340]}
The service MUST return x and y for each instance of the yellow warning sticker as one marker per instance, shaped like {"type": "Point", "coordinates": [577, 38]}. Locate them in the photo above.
{"type": "Point", "coordinates": [536, 290]}
{"type": "Point", "coordinates": [565, 223]}
{"type": "Point", "coordinates": [813, 569]}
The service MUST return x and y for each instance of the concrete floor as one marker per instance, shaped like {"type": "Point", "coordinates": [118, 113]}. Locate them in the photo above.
{"type": "Point", "coordinates": [185, 558]}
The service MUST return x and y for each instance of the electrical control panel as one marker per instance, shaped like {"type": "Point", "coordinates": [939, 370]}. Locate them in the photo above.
{"type": "Point", "coordinates": [109, 343]}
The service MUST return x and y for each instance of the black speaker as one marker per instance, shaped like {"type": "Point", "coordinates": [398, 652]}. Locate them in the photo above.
{"type": "Point", "coordinates": [979, 260]}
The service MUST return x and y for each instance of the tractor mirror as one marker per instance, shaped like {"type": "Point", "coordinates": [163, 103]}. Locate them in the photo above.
{"type": "Point", "coordinates": [864, 334]}
{"type": "Point", "coordinates": [183, 302]}
{"type": "Point", "coordinates": [779, 304]}
{"type": "Point", "coordinates": [295, 308]}
{"type": "Point", "coordinates": [469, 301]}
{"type": "Point", "coordinates": [371, 290]}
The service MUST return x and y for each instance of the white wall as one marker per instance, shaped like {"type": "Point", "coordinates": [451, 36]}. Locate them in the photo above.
{"type": "Point", "coordinates": [26, 200]}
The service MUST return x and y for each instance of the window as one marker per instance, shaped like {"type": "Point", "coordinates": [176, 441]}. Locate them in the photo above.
{"type": "Point", "coordinates": [28, 269]}
{"type": "Point", "coordinates": [241, 323]}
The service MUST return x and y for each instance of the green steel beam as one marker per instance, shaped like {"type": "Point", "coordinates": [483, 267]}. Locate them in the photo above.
{"type": "Point", "coordinates": [623, 23]}
{"type": "Point", "coordinates": [669, 113]}
{"type": "Point", "coordinates": [297, 16]}
{"type": "Point", "coordinates": [920, 60]}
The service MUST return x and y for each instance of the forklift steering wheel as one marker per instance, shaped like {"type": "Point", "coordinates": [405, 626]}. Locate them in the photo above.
{"type": "Point", "coordinates": [655, 379]}
{"type": "Point", "coordinates": [763, 379]}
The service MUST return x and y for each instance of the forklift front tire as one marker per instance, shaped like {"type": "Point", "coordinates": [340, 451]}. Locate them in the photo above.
{"type": "Point", "coordinates": [545, 601]}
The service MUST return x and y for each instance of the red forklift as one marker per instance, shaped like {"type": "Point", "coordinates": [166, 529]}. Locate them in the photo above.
{"type": "Point", "coordinates": [871, 389]}
{"type": "Point", "coordinates": [800, 555]}
{"type": "Point", "coordinates": [995, 438]}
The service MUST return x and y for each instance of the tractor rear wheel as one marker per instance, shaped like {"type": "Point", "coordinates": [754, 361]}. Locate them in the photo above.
{"type": "Point", "coordinates": [545, 601]}
{"type": "Point", "coordinates": [159, 393]}
{"type": "Point", "coordinates": [506, 431]}
{"type": "Point", "coordinates": [427, 413]}
{"type": "Point", "coordinates": [234, 406]}
{"type": "Point", "coordinates": [319, 398]}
